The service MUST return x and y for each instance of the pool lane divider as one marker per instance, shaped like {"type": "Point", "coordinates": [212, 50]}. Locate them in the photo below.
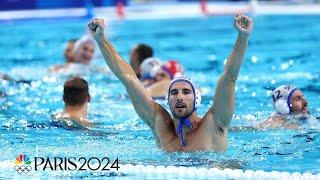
{"type": "Point", "coordinates": [170, 172]}
{"type": "Point", "coordinates": [174, 172]}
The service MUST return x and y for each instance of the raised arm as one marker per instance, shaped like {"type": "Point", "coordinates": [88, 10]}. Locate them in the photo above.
{"type": "Point", "coordinates": [224, 99]}
{"type": "Point", "coordinates": [141, 100]}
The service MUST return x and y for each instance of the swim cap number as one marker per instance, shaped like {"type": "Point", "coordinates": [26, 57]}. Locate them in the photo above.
{"type": "Point", "coordinates": [276, 95]}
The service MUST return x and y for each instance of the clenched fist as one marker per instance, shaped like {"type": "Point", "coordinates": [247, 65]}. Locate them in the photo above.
{"type": "Point", "coordinates": [96, 27]}
{"type": "Point", "coordinates": [243, 24]}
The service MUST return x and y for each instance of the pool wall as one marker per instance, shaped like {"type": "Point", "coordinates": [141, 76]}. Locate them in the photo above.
{"type": "Point", "coordinates": [167, 10]}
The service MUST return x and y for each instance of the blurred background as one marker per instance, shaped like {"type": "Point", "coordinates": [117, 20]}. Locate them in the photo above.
{"type": "Point", "coordinates": [89, 8]}
{"type": "Point", "coordinates": [283, 49]}
{"type": "Point", "coordinates": [48, 4]}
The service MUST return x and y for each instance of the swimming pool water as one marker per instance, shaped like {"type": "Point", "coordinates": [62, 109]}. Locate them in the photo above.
{"type": "Point", "coordinates": [282, 49]}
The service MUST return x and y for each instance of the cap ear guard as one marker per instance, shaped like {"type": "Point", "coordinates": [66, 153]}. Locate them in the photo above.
{"type": "Point", "coordinates": [167, 100]}
{"type": "Point", "coordinates": [197, 98]}
{"type": "Point", "coordinates": [281, 106]}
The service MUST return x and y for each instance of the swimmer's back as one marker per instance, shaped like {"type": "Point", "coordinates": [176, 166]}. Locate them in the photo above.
{"type": "Point", "coordinates": [66, 122]}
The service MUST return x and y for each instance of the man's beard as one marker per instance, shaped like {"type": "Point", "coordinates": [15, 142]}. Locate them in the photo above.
{"type": "Point", "coordinates": [181, 116]}
{"type": "Point", "coordinates": [185, 114]}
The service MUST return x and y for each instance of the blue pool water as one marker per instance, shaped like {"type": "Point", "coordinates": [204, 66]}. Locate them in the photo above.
{"type": "Point", "coordinates": [282, 49]}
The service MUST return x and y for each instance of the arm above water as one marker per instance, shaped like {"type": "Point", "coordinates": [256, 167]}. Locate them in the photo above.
{"type": "Point", "coordinates": [141, 99]}
{"type": "Point", "coordinates": [224, 100]}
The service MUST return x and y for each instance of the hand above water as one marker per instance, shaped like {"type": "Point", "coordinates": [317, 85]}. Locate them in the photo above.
{"type": "Point", "coordinates": [96, 28]}
{"type": "Point", "coordinates": [243, 24]}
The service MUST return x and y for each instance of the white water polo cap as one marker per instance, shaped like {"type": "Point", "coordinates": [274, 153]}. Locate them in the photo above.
{"type": "Point", "coordinates": [281, 98]}
{"type": "Point", "coordinates": [85, 39]}
{"type": "Point", "coordinates": [150, 67]}
{"type": "Point", "coordinates": [196, 92]}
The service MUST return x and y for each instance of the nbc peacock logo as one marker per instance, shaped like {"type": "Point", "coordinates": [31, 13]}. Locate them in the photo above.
{"type": "Point", "coordinates": [23, 164]}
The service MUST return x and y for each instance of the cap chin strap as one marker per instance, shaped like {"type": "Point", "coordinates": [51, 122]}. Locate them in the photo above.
{"type": "Point", "coordinates": [185, 121]}
{"type": "Point", "coordinates": [282, 106]}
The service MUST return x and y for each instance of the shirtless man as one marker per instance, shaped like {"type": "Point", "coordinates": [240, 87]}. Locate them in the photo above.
{"type": "Point", "coordinates": [137, 55]}
{"type": "Point", "coordinates": [68, 51]}
{"type": "Point", "coordinates": [78, 55]}
{"type": "Point", "coordinates": [84, 50]}
{"type": "Point", "coordinates": [193, 132]}
{"type": "Point", "coordinates": [76, 97]}
{"type": "Point", "coordinates": [68, 55]}
{"type": "Point", "coordinates": [291, 109]}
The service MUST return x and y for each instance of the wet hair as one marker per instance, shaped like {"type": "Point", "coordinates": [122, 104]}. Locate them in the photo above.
{"type": "Point", "coordinates": [144, 51]}
{"type": "Point", "coordinates": [75, 92]}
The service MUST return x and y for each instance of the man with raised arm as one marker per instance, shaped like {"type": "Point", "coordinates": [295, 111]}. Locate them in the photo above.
{"type": "Point", "coordinates": [184, 130]}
